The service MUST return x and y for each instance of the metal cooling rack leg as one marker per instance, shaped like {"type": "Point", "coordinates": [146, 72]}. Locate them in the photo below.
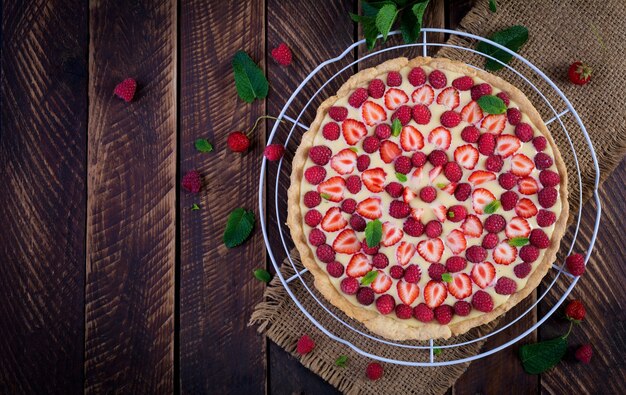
{"type": "Point", "coordinates": [431, 351]}
{"type": "Point", "coordinates": [560, 269]}
{"type": "Point", "coordinates": [559, 115]}
{"type": "Point", "coordinates": [425, 46]}
{"type": "Point", "coordinates": [303, 126]}
{"type": "Point", "coordinates": [290, 279]}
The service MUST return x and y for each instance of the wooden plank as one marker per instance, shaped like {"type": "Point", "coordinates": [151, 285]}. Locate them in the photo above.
{"type": "Point", "coordinates": [43, 135]}
{"type": "Point", "coordinates": [131, 199]}
{"type": "Point", "coordinates": [219, 353]}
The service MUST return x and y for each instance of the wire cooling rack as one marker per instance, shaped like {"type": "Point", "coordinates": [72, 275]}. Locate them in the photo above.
{"type": "Point", "coordinates": [557, 111]}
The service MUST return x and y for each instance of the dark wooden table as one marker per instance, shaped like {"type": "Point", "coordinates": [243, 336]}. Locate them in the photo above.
{"type": "Point", "coordinates": [108, 282]}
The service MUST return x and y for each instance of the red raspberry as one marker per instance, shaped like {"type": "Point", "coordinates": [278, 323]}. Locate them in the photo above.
{"type": "Point", "coordinates": [349, 285]}
{"type": "Point", "coordinates": [404, 311]}
{"type": "Point", "coordinates": [482, 301]}
{"type": "Point", "coordinates": [504, 97]}
{"type": "Point", "coordinates": [494, 163]}
{"type": "Point", "coordinates": [539, 239]}
{"type": "Point", "coordinates": [435, 270]}
{"type": "Point", "coordinates": [238, 142]}
{"type": "Point", "coordinates": [371, 144]}
{"type": "Point", "coordinates": [380, 261]}
{"type": "Point", "coordinates": [399, 209]}
{"type": "Point", "coordinates": [317, 237]}
{"type": "Point", "coordinates": [486, 144]}
{"type": "Point", "coordinates": [470, 134]}
{"type": "Point", "coordinates": [522, 270]}
{"type": "Point", "coordinates": [403, 114]}
{"type": "Point", "coordinates": [437, 79]}
{"type": "Point", "coordinates": [126, 89]}
{"type": "Point", "coordinates": [365, 296]}
{"type": "Point", "coordinates": [413, 227]}
{"type": "Point", "coordinates": [457, 213]}
{"type": "Point", "coordinates": [385, 304]}
{"type": "Point", "coordinates": [403, 164]}
{"type": "Point", "coordinates": [548, 178]}
{"type": "Point", "coordinates": [282, 54]}
{"type": "Point", "coordinates": [374, 371]}
{"type": "Point", "coordinates": [335, 269]}
{"type": "Point", "coordinates": [369, 250]}
{"type": "Point", "coordinates": [575, 311]}
{"type": "Point", "coordinates": [418, 159]}
{"type": "Point", "coordinates": [358, 97]}
{"type": "Point", "coordinates": [450, 118]}
{"type": "Point", "coordinates": [524, 132]}
{"type": "Point", "coordinates": [338, 113]}
{"type": "Point", "coordinates": [312, 218]}
{"type": "Point", "coordinates": [453, 171]}
{"type": "Point", "coordinates": [312, 199]}
{"type": "Point", "coordinates": [382, 131]}
{"type": "Point", "coordinates": [396, 271]}
{"type": "Point", "coordinates": [357, 223]}
{"type": "Point", "coordinates": [529, 253]}
{"type": "Point", "coordinates": [315, 174]}
{"type": "Point", "coordinates": [543, 161]}
{"type": "Point", "coordinates": [438, 157]}
{"type": "Point", "coordinates": [325, 253]}
{"type": "Point", "coordinates": [462, 308]}
{"type": "Point", "coordinates": [462, 191]}
{"type": "Point", "coordinates": [412, 274]}
{"type": "Point", "coordinates": [394, 78]}
{"type": "Point", "coordinates": [191, 181]}
{"type": "Point", "coordinates": [480, 90]}
{"type": "Point", "coordinates": [320, 154]}
{"type": "Point", "coordinates": [417, 76]}
{"type": "Point", "coordinates": [494, 223]}
{"type": "Point", "coordinates": [547, 197]}
{"type": "Point", "coordinates": [421, 114]}
{"type": "Point", "coordinates": [331, 131]}
{"type": "Point", "coordinates": [433, 229]}
{"type": "Point", "coordinates": [455, 264]}
{"type": "Point", "coordinates": [394, 189]}
{"type": "Point", "coordinates": [444, 314]}
{"type": "Point", "coordinates": [507, 180]}
{"type": "Point", "coordinates": [353, 184]}
{"type": "Point", "coordinates": [274, 152]}
{"type": "Point", "coordinates": [305, 345]}
{"type": "Point", "coordinates": [490, 241]}
{"type": "Point", "coordinates": [545, 218]}
{"type": "Point", "coordinates": [514, 116]}
{"type": "Point", "coordinates": [376, 89]}
{"type": "Point", "coordinates": [476, 254]}
{"type": "Point", "coordinates": [348, 205]}
{"type": "Point", "coordinates": [362, 162]}
{"type": "Point", "coordinates": [540, 143]}
{"type": "Point", "coordinates": [584, 353]}
{"type": "Point", "coordinates": [464, 83]}
{"type": "Point", "coordinates": [508, 200]}
{"type": "Point", "coordinates": [423, 313]}
{"type": "Point", "coordinates": [575, 264]}
{"type": "Point", "coordinates": [506, 286]}
{"type": "Point", "coordinates": [428, 194]}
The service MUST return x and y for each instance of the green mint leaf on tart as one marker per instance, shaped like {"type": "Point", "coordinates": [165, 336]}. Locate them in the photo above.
{"type": "Point", "coordinates": [518, 241]}
{"type": "Point", "coordinates": [203, 145]}
{"type": "Point", "coordinates": [373, 233]}
{"type": "Point", "coordinates": [194, 207]}
{"type": "Point", "coordinates": [369, 277]}
{"type": "Point", "coordinates": [341, 361]}
{"type": "Point", "coordinates": [491, 104]}
{"type": "Point", "coordinates": [262, 275]}
{"type": "Point", "coordinates": [513, 38]}
{"type": "Point", "coordinates": [250, 80]}
{"type": "Point", "coordinates": [493, 7]}
{"type": "Point", "coordinates": [325, 196]}
{"type": "Point", "coordinates": [437, 351]}
{"type": "Point", "coordinates": [385, 18]}
{"type": "Point", "coordinates": [354, 149]}
{"type": "Point", "coordinates": [446, 277]}
{"type": "Point", "coordinates": [401, 177]}
{"type": "Point", "coordinates": [492, 207]}
{"type": "Point", "coordinates": [440, 185]}
{"type": "Point", "coordinates": [539, 357]}
{"type": "Point", "coordinates": [238, 227]}
{"type": "Point", "coordinates": [396, 127]}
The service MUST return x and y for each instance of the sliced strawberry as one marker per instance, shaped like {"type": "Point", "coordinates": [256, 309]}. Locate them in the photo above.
{"type": "Point", "coordinates": [472, 113]}
{"type": "Point", "coordinates": [408, 194]}
{"type": "Point", "coordinates": [450, 188]}
{"type": "Point", "coordinates": [382, 283]}
{"type": "Point", "coordinates": [391, 234]}
{"type": "Point", "coordinates": [346, 242]}
{"type": "Point", "coordinates": [389, 151]}
{"type": "Point", "coordinates": [370, 208]}
{"type": "Point", "coordinates": [461, 286]}
{"type": "Point", "coordinates": [395, 98]}
{"type": "Point", "coordinates": [481, 176]}
{"type": "Point", "coordinates": [333, 187]}
{"type": "Point", "coordinates": [507, 145]}
{"type": "Point", "coordinates": [431, 249]}
{"type": "Point", "coordinates": [483, 274]}
{"type": "Point", "coordinates": [440, 212]}
{"type": "Point", "coordinates": [374, 179]}
{"type": "Point", "coordinates": [466, 156]}
{"type": "Point", "coordinates": [517, 227]}
{"type": "Point", "coordinates": [344, 161]}
{"type": "Point", "coordinates": [358, 266]}
{"type": "Point", "coordinates": [404, 253]}
{"type": "Point", "coordinates": [448, 97]}
{"type": "Point", "coordinates": [423, 95]}
{"type": "Point", "coordinates": [527, 186]}
{"type": "Point", "coordinates": [417, 213]}
{"type": "Point", "coordinates": [333, 220]}
{"type": "Point", "coordinates": [373, 113]}
{"type": "Point", "coordinates": [407, 292]}
{"type": "Point", "coordinates": [521, 165]}
{"type": "Point", "coordinates": [472, 226]}
{"type": "Point", "coordinates": [353, 131]}
{"type": "Point", "coordinates": [440, 137]}
{"type": "Point", "coordinates": [494, 123]}
{"type": "Point", "coordinates": [411, 139]}
{"type": "Point", "coordinates": [480, 198]}
{"type": "Point", "coordinates": [525, 208]}
{"type": "Point", "coordinates": [435, 293]}
{"type": "Point", "coordinates": [434, 172]}
{"type": "Point", "coordinates": [455, 241]}
{"type": "Point", "coordinates": [504, 253]}
{"type": "Point", "coordinates": [416, 176]}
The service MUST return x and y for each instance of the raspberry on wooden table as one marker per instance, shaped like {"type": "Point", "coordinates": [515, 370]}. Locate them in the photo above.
{"type": "Point", "coordinates": [575, 264]}
{"type": "Point", "coordinates": [282, 54]}
{"type": "Point", "coordinates": [584, 353]}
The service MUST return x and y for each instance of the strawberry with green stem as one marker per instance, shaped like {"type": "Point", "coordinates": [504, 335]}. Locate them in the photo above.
{"type": "Point", "coordinates": [239, 141]}
{"type": "Point", "coordinates": [579, 73]}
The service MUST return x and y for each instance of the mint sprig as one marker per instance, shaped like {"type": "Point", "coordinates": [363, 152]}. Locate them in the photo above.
{"type": "Point", "coordinates": [539, 357]}
{"type": "Point", "coordinates": [401, 177]}
{"type": "Point", "coordinates": [493, 7]}
{"type": "Point", "coordinates": [396, 127]}
{"type": "Point", "coordinates": [369, 277]}
{"type": "Point", "coordinates": [518, 241]}
{"type": "Point", "coordinates": [446, 277]}
{"type": "Point", "coordinates": [513, 38]}
{"type": "Point", "coordinates": [492, 207]}
{"type": "Point", "coordinates": [341, 361]}
{"type": "Point", "coordinates": [262, 275]}
{"type": "Point", "coordinates": [203, 145]}
{"type": "Point", "coordinates": [373, 233]}
{"type": "Point", "coordinates": [250, 80]}
{"type": "Point", "coordinates": [491, 104]}
{"type": "Point", "coordinates": [238, 227]}
{"type": "Point", "coordinates": [194, 207]}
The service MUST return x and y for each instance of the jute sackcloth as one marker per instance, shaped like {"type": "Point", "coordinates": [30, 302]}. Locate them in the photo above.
{"type": "Point", "coordinates": [560, 33]}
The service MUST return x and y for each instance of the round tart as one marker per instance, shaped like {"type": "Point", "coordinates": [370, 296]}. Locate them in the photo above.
{"type": "Point", "coordinates": [422, 210]}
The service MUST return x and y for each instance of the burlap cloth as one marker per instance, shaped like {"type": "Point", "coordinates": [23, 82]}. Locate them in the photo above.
{"type": "Point", "coordinates": [560, 33]}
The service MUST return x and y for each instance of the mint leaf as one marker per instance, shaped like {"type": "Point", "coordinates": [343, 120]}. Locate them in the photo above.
{"type": "Point", "coordinates": [493, 6]}
{"type": "Point", "coordinates": [354, 149]}
{"type": "Point", "coordinates": [446, 277]}
{"type": "Point", "coordinates": [441, 185]}
{"type": "Point", "coordinates": [369, 277]}
{"type": "Point", "coordinates": [492, 207]}
{"type": "Point", "coordinates": [385, 18]}
{"type": "Point", "coordinates": [194, 207]}
{"type": "Point", "coordinates": [513, 38]}
{"type": "Point", "coordinates": [203, 145]}
{"type": "Point", "coordinates": [539, 357]}
{"type": "Point", "coordinates": [341, 361]}
{"type": "Point", "coordinates": [369, 28]}
{"type": "Point", "coordinates": [396, 127]}
{"type": "Point", "coordinates": [437, 351]}
{"type": "Point", "coordinates": [491, 104]}
{"type": "Point", "coordinates": [325, 196]}
{"type": "Point", "coordinates": [250, 80]}
{"type": "Point", "coordinates": [518, 241]}
{"type": "Point", "coordinates": [262, 275]}
{"type": "Point", "coordinates": [373, 233]}
{"type": "Point", "coordinates": [411, 22]}
{"type": "Point", "coordinates": [238, 227]}
{"type": "Point", "coordinates": [401, 177]}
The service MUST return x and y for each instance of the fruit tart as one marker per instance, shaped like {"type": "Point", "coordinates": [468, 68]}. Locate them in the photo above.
{"type": "Point", "coordinates": [427, 198]}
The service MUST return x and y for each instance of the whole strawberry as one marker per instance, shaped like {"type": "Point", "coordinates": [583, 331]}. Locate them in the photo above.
{"type": "Point", "coordinates": [274, 152]}
{"type": "Point", "coordinates": [126, 89]}
{"type": "Point", "coordinates": [192, 182]}
{"type": "Point", "coordinates": [575, 311]}
{"type": "Point", "coordinates": [579, 73]}
{"type": "Point", "coordinates": [305, 345]}
{"type": "Point", "coordinates": [584, 353]}
{"type": "Point", "coordinates": [238, 142]}
{"type": "Point", "coordinates": [282, 54]}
